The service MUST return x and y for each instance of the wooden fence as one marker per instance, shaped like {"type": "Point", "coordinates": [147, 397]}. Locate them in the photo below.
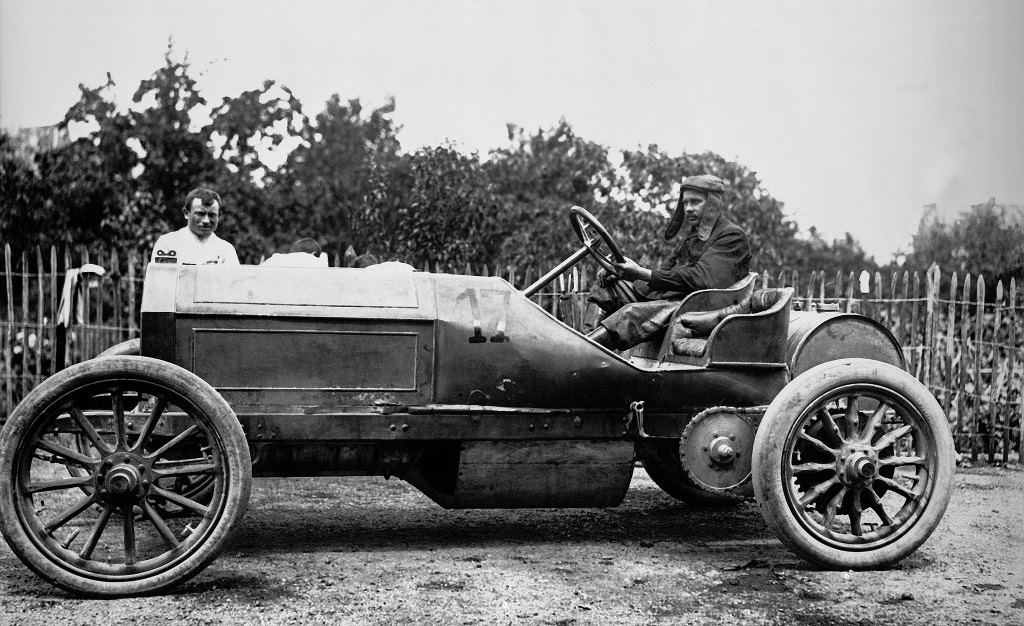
{"type": "Point", "coordinates": [962, 339]}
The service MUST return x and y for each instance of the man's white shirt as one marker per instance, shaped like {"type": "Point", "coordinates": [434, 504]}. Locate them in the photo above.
{"type": "Point", "coordinates": [184, 246]}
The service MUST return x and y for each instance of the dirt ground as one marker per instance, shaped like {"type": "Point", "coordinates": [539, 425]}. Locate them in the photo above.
{"type": "Point", "coordinates": [369, 551]}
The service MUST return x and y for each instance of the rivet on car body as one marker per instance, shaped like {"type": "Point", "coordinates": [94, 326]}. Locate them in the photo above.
{"type": "Point", "coordinates": [405, 427]}
{"type": "Point", "coordinates": [577, 421]}
{"type": "Point", "coordinates": [394, 428]}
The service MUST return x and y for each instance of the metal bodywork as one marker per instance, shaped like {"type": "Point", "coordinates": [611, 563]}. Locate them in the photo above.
{"type": "Point", "coordinates": [460, 385]}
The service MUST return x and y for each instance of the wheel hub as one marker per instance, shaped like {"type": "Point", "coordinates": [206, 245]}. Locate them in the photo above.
{"type": "Point", "coordinates": [716, 449]}
{"type": "Point", "coordinates": [858, 466]}
{"type": "Point", "coordinates": [124, 477]}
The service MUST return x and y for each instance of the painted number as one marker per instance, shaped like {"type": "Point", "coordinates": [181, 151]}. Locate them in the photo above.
{"type": "Point", "coordinates": [473, 295]}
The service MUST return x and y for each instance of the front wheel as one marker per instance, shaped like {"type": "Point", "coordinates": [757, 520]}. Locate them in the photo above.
{"type": "Point", "coordinates": [94, 520]}
{"type": "Point", "coordinates": [853, 464]}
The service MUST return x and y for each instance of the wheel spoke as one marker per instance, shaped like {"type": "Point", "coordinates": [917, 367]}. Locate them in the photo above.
{"type": "Point", "coordinates": [804, 468]}
{"type": "Point", "coordinates": [854, 514]}
{"type": "Point", "coordinates": [60, 483]}
{"type": "Point", "coordinates": [874, 422]}
{"type": "Point", "coordinates": [818, 491]}
{"type": "Point", "coordinates": [68, 454]}
{"type": "Point", "coordinates": [129, 535]}
{"type": "Point", "coordinates": [69, 513]}
{"type": "Point", "coordinates": [160, 524]}
{"type": "Point", "coordinates": [151, 421]}
{"type": "Point", "coordinates": [898, 488]}
{"type": "Point", "coordinates": [878, 508]}
{"type": "Point", "coordinates": [181, 500]}
{"type": "Point", "coordinates": [90, 431]}
{"type": "Point", "coordinates": [818, 444]}
{"type": "Point", "coordinates": [899, 461]}
{"type": "Point", "coordinates": [173, 442]}
{"type": "Point", "coordinates": [890, 437]}
{"type": "Point", "coordinates": [184, 470]}
{"type": "Point", "coordinates": [117, 408]}
{"type": "Point", "coordinates": [97, 532]}
{"type": "Point", "coordinates": [852, 418]}
{"type": "Point", "coordinates": [829, 424]}
{"type": "Point", "coordinates": [833, 505]}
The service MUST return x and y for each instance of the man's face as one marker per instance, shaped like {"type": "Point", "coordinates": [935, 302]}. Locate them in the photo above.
{"type": "Point", "coordinates": [202, 219]}
{"type": "Point", "coordinates": [694, 203]}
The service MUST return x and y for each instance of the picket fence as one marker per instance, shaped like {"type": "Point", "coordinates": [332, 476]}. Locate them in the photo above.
{"type": "Point", "coordinates": [964, 344]}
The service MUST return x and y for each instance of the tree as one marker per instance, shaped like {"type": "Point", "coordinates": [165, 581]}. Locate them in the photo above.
{"type": "Point", "coordinates": [321, 186]}
{"type": "Point", "coordinates": [982, 241]}
{"type": "Point", "coordinates": [541, 176]}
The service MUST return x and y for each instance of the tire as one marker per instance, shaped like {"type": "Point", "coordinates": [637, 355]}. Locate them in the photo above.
{"type": "Point", "coordinates": [665, 468]}
{"type": "Point", "coordinates": [888, 473]}
{"type": "Point", "coordinates": [98, 531]}
{"type": "Point", "coordinates": [132, 347]}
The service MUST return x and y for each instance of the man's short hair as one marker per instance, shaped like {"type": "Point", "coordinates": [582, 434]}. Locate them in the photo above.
{"type": "Point", "coordinates": [307, 245]}
{"type": "Point", "coordinates": [206, 197]}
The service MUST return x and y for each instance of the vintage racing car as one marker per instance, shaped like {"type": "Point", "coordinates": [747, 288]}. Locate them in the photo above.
{"type": "Point", "coordinates": [127, 474]}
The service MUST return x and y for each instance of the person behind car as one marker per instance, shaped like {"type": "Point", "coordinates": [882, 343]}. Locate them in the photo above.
{"type": "Point", "coordinates": [304, 252]}
{"type": "Point", "coordinates": [196, 243]}
{"type": "Point", "coordinates": [714, 254]}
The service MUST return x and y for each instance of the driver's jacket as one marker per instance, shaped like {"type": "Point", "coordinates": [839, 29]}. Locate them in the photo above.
{"type": "Point", "coordinates": [713, 264]}
{"type": "Point", "coordinates": [718, 262]}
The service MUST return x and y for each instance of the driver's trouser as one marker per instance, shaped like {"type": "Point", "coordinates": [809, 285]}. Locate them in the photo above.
{"type": "Point", "coordinates": [632, 318]}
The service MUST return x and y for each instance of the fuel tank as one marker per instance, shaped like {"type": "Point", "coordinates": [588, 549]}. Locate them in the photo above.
{"type": "Point", "coordinates": [819, 337]}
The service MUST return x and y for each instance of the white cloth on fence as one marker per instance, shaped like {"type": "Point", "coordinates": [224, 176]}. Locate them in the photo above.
{"type": "Point", "coordinates": [70, 303]}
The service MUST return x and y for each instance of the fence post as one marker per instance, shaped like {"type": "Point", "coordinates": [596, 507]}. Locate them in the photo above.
{"type": "Point", "coordinates": [133, 259]}
{"type": "Point", "coordinates": [1020, 392]}
{"type": "Point", "coordinates": [894, 326]}
{"type": "Point", "coordinates": [9, 339]}
{"type": "Point", "coordinates": [25, 386]}
{"type": "Point", "coordinates": [54, 291]}
{"type": "Point", "coordinates": [915, 331]}
{"type": "Point", "coordinates": [993, 393]}
{"type": "Point", "coordinates": [40, 335]}
{"type": "Point", "coordinates": [951, 343]}
{"type": "Point", "coordinates": [931, 300]}
{"type": "Point", "coordinates": [849, 292]}
{"type": "Point", "coordinates": [837, 288]}
{"type": "Point", "coordinates": [979, 313]}
{"type": "Point", "coordinates": [964, 329]}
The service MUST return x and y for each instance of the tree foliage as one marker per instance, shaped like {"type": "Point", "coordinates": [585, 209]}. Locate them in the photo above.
{"type": "Point", "coordinates": [982, 241]}
{"type": "Point", "coordinates": [346, 182]}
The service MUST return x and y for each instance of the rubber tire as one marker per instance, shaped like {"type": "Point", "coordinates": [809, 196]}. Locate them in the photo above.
{"type": "Point", "coordinates": [771, 444]}
{"type": "Point", "coordinates": [132, 347]}
{"type": "Point", "coordinates": [665, 468]}
{"type": "Point", "coordinates": [212, 408]}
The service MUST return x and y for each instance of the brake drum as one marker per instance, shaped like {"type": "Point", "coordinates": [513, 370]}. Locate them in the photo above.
{"type": "Point", "coordinates": [716, 449]}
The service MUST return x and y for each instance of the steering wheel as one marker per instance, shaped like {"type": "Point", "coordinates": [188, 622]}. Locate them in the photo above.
{"type": "Point", "coordinates": [582, 223]}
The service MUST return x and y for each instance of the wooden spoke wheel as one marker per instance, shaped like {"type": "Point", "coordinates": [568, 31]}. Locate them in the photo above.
{"type": "Point", "coordinates": [853, 464]}
{"type": "Point", "coordinates": [93, 518]}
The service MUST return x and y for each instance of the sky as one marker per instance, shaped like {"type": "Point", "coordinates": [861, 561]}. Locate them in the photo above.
{"type": "Point", "coordinates": [854, 114]}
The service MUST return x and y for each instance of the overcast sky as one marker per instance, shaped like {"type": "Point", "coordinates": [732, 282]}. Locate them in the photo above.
{"type": "Point", "coordinates": [854, 114]}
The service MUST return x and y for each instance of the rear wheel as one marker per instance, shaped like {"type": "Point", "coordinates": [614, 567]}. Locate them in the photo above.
{"type": "Point", "coordinates": [853, 464]}
{"type": "Point", "coordinates": [103, 529]}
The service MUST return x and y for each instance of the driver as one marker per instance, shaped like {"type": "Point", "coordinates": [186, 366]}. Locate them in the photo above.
{"type": "Point", "coordinates": [714, 254]}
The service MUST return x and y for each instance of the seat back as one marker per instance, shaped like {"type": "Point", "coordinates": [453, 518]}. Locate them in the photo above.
{"type": "Point", "coordinates": [756, 336]}
{"type": "Point", "coordinates": [702, 300]}
{"type": "Point", "coordinates": [712, 299]}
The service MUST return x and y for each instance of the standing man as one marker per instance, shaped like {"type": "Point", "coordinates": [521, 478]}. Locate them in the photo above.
{"type": "Point", "coordinates": [196, 243]}
{"type": "Point", "coordinates": [714, 254]}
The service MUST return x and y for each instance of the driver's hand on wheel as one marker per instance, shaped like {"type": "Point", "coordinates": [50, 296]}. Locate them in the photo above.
{"type": "Point", "coordinates": [630, 270]}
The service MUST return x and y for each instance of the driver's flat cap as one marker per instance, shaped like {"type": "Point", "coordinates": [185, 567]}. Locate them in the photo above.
{"type": "Point", "coordinates": [707, 183]}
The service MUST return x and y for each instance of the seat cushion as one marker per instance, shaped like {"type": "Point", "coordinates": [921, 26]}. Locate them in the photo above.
{"type": "Point", "coordinates": [689, 346]}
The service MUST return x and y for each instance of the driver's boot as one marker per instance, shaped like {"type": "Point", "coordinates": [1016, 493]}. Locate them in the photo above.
{"type": "Point", "coordinates": [602, 336]}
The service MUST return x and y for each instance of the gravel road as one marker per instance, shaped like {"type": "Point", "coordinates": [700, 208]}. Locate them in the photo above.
{"type": "Point", "coordinates": [369, 551]}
